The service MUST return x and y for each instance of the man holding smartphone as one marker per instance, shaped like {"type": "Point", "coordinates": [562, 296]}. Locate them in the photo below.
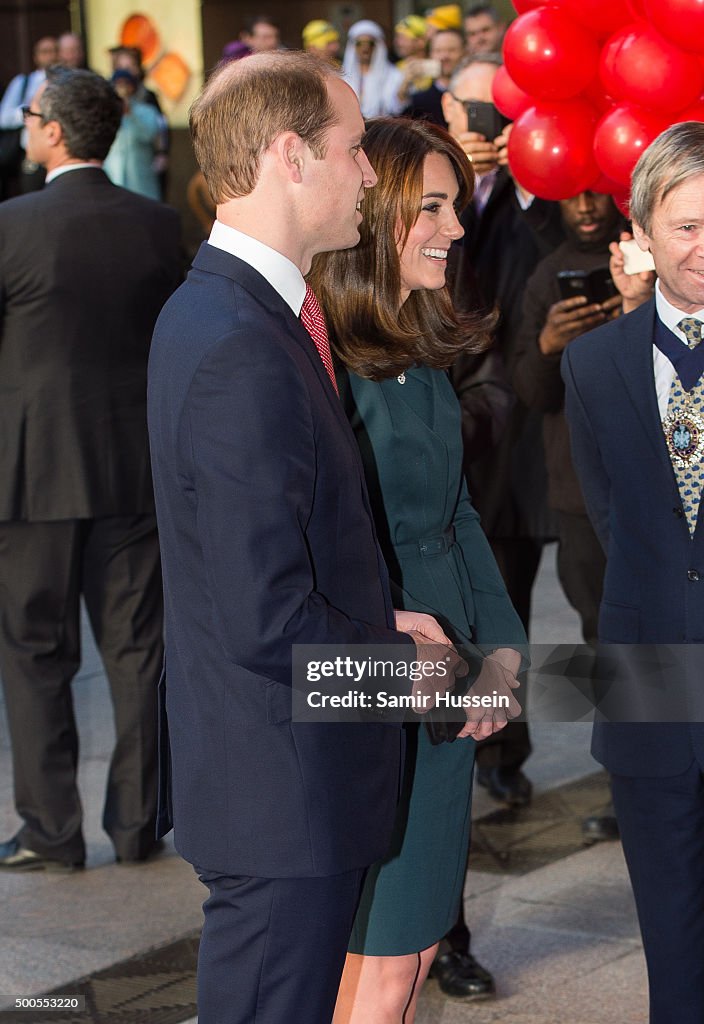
{"type": "Point", "coordinates": [550, 323]}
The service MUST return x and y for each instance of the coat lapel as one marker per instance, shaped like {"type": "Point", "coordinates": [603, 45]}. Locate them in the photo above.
{"type": "Point", "coordinates": [633, 356]}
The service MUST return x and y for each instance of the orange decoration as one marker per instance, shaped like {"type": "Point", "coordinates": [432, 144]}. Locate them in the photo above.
{"type": "Point", "coordinates": [138, 30]}
{"type": "Point", "coordinates": [170, 75]}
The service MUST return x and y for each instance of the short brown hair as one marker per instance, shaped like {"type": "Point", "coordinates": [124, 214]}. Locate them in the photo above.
{"type": "Point", "coordinates": [246, 104]}
{"type": "Point", "coordinates": [360, 289]}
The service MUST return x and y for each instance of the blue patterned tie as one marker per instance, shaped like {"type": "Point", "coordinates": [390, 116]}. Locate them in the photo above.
{"type": "Point", "coordinates": [684, 431]}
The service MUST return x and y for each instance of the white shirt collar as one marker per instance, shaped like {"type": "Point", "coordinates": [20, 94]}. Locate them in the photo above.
{"type": "Point", "coordinates": [65, 168]}
{"type": "Point", "coordinates": [277, 269]}
{"type": "Point", "coordinates": [670, 315]}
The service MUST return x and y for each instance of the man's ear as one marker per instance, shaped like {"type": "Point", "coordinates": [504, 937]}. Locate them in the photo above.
{"type": "Point", "coordinates": [641, 238]}
{"type": "Point", "coordinates": [445, 103]}
{"type": "Point", "coordinates": [291, 153]}
{"type": "Point", "coordinates": [53, 133]}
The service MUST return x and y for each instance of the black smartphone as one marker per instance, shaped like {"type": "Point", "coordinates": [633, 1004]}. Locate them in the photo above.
{"type": "Point", "coordinates": [484, 118]}
{"type": "Point", "coordinates": [596, 285]}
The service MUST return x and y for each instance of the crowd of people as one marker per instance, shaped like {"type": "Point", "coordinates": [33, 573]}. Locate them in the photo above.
{"type": "Point", "coordinates": [359, 420]}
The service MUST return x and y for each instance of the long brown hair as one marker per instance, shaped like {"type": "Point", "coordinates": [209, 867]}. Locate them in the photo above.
{"type": "Point", "coordinates": [359, 289]}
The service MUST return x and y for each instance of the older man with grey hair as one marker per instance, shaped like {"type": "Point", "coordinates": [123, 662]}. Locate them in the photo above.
{"type": "Point", "coordinates": [635, 405]}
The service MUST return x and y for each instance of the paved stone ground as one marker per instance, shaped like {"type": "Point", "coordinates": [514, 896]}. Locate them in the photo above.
{"type": "Point", "coordinates": [562, 941]}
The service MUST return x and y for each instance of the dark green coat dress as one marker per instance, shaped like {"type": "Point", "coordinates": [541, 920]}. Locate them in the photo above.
{"type": "Point", "coordinates": [440, 562]}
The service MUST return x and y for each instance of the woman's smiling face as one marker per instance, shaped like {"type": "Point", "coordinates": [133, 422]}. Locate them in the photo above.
{"type": "Point", "coordinates": [423, 256]}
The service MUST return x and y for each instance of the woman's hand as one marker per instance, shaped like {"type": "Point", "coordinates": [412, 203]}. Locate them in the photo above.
{"type": "Point", "coordinates": [497, 681]}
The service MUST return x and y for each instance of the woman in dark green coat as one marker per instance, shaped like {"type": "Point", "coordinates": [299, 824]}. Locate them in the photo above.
{"type": "Point", "coordinates": [393, 327]}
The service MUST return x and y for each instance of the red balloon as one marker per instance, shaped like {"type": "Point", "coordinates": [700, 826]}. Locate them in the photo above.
{"type": "Point", "coordinates": [522, 6]}
{"type": "Point", "coordinates": [510, 100]}
{"type": "Point", "coordinates": [639, 66]}
{"type": "Point", "coordinates": [606, 186]}
{"type": "Point", "coordinates": [680, 21]}
{"type": "Point", "coordinates": [620, 138]}
{"type": "Point", "coordinates": [595, 95]}
{"type": "Point", "coordinates": [693, 113]}
{"type": "Point", "coordinates": [550, 149]}
{"type": "Point", "coordinates": [550, 55]}
{"type": "Point", "coordinates": [623, 201]}
{"type": "Point", "coordinates": [601, 17]}
{"type": "Point", "coordinates": [637, 9]}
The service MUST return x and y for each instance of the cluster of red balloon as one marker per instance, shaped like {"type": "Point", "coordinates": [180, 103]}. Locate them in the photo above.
{"type": "Point", "coordinates": [590, 83]}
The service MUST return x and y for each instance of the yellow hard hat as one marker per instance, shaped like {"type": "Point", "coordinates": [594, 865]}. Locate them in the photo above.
{"type": "Point", "coordinates": [447, 16]}
{"type": "Point", "coordinates": [413, 26]}
{"type": "Point", "coordinates": [319, 33]}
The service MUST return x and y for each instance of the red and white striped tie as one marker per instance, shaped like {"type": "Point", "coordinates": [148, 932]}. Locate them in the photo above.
{"type": "Point", "coordinates": [314, 322]}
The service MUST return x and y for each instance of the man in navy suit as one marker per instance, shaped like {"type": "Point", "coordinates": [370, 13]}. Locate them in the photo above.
{"type": "Point", "coordinates": [634, 404]}
{"type": "Point", "coordinates": [268, 541]}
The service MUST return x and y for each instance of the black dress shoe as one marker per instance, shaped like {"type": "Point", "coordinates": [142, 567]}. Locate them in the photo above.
{"type": "Point", "coordinates": [460, 976]}
{"type": "Point", "coordinates": [507, 785]}
{"type": "Point", "coordinates": [600, 828]}
{"type": "Point", "coordinates": [15, 857]}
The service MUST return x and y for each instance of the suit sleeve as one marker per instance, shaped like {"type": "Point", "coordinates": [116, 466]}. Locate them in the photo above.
{"type": "Point", "coordinates": [253, 456]}
{"type": "Point", "coordinates": [586, 455]}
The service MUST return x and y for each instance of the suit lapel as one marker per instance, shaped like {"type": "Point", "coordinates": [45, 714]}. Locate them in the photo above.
{"type": "Point", "coordinates": [217, 261]}
{"type": "Point", "coordinates": [633, 356]}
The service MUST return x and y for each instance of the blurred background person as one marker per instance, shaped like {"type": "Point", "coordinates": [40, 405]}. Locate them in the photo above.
{"type": "Point", "coordinates": [129, 58]}
{"type": "Point", "coordinates": [16, 172]}
{"type": "Point", "coordinates": [411, 47]}
{"type": "Point", "coordinates": [446, 51]}
{"type": "Point", "coordinates": [235, 50]}
{"type": "Point", "coordinates": [130, 162]}
{"type": "Point", "coordinates": [393, 326]}
{"type": "Point", "coordinates": [72, 51]}
{"type": "Point", "coordinates": [368, 70]}
{"type": "Point", "coordinates": [321, 37]}
{"type": "Point", "coordinates": [84, 270]}
{"type": "Point", "coordinates": [410, 39]}
{"type": "Point", "coordinates": [484, 29]}
{"type": "Point", "coordinates": [261, 34]}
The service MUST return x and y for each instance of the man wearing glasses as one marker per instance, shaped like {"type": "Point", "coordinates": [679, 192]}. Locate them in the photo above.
{"type": "Point", "coordinates": [84, 270]}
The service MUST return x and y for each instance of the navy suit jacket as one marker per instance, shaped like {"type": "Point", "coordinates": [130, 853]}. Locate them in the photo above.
{"type": "Point", "coordinates": [654, 585]}
{"type": "Point", "coordinates": [267, 541]}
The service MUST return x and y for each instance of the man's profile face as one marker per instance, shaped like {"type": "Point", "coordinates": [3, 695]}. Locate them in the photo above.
{"type": "Point", "coordinates": [676, 240]}
{"type": "Point", "coordinates": [447, 48]}
{"type": "Point", "coordinates": [337, 182]}
{"type": "Point", "coordinates": [36, 147]}
{"type": "Point", "coordinates": [473, 84]}
{"type": "Point", "coordinates": [483, 34]}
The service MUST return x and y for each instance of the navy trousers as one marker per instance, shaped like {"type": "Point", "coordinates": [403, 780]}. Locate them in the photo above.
{"type": "Point", "coordinates": [273, 949]}
{"type": "Point", "coordinates": [662, 830]}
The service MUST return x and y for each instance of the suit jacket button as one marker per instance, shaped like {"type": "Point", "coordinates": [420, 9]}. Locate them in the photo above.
{"type": "Point", "coordinates": [693, 575]}
{"type": "Point", "coordinates": [678, 512]}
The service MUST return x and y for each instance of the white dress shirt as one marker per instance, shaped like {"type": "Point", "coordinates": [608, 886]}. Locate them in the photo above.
{"type": "Point", "coordinates": [278, 270]}
{"type": "Point", "coordinates": [65, 168]}
{"type": "Point", "coordinates": [662, 367]}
